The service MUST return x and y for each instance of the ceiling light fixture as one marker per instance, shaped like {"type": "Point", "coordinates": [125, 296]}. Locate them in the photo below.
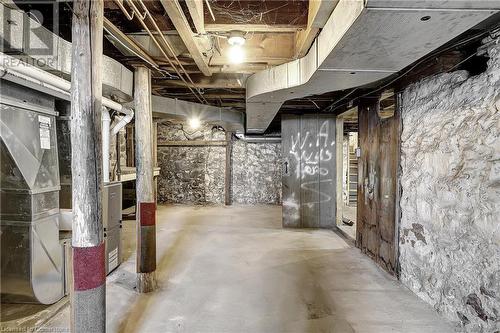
{"type": "Point", "coordinates": [194, 123]}
{"type": "Point", "coordinates": [236, 53]}
{"type": "Point", "coordinates": [236, 38]}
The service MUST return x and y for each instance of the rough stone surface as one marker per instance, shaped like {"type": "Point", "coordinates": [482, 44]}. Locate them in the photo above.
{"type": "Point", "coordinates": [195, 174]}
{"type": "Point", "coordinates": [256, 173]}
{"type": "Point", "coordinates": [450, 160]}
{"type": "Point", "coordinates": [191, 174]}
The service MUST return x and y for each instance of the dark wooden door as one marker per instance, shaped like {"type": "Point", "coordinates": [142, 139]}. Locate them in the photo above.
{"type": "Point", "coordinates": [309, 198]}
{"type": "Point", "coordinates": [377, 184]}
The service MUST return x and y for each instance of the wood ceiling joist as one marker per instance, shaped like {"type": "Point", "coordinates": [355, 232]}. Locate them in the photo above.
{"type": "Point", "coordinates": [176, 15]}
{"type": "Point", "coordinates": [319, 12]}
{"type": "Point", "coordinates": [195, 8]}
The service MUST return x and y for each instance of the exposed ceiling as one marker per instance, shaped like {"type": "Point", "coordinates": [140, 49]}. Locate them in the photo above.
{"type": "Point", "coordinates": [195, 65]}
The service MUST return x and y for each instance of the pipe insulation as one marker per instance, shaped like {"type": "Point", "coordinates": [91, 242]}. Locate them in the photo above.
{"type": "Point", "coordinates": [15, 70]}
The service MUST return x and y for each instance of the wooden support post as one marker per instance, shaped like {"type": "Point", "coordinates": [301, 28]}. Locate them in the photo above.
{"type": "Point", "coordinates": [339, 147]}
{"type": "Point", "coordinates": [88, 308]}
{"type": "Point", "coordinates": [229, 166]}
{"type": "Point", "coordinates": [146, 202]}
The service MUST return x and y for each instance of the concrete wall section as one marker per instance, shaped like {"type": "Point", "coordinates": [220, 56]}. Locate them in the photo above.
{"type": "Point", "coordinates": [450, 160]}
{"type": "Point", "coordinates": [256, 173]}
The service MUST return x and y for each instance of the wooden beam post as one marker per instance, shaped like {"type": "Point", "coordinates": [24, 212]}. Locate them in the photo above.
{"type": "Point", "coordinates": [146, 202]}
{"type": "Point", "coordinates": [229, 167]}
{"type": "Point", "coordinates": [88, 306]}
{"type": "Point", "coordinates": [339, 147]}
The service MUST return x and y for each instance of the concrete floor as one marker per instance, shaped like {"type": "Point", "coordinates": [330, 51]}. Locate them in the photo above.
{"type": "Point", "coordinates": [236, 270]}
{"type": "Point", "coordinates": [349, 212]}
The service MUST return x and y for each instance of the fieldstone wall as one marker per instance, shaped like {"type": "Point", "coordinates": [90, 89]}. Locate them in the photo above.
{"type": "Point", "coordinates": [190, 174]}
{"type": "Point", "coordinates": [196, 174]}
{"type": "Point", "coordinates": [450, 204]}
{"type": "Point", "coordinates": [256, 173]}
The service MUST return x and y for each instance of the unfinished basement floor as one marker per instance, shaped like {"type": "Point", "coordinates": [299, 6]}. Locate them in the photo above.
{"type": "Point", "coordinates": [234, 269]}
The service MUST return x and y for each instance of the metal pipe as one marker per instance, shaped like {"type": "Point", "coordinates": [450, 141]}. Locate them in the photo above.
{"type": "Point", "coordinates": [160, 33]}
{"type": "Point", "coordinates": [210, 10]}
{"type": "Point", "coordinates": [122, 123]}
{"type": "Point", "coordinates": [17, 68]}
{"type": "Point", "coordinates": [153, 37]}
{"type": "Point", "coordinates": [106, 121]}
{"type": "Point", "coordinates": [258, 139]}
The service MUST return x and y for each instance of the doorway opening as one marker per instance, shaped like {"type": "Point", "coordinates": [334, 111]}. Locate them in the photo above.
{"type": "Point", "coordinates": [348, 153]}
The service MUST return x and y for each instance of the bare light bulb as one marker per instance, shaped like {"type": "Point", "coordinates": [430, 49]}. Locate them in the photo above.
{"type": "Point", "coordinates": [194, 123]}
{"type": "Point", "coordinates": [236, 54]}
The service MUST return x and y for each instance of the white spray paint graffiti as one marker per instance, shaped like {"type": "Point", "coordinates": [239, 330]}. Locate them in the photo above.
{"type": "Point", "coordinates": [309, 153]}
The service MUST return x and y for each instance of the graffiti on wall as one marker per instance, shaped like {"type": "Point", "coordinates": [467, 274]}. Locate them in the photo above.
{"type": "Point", "coordinates": [311, 153]}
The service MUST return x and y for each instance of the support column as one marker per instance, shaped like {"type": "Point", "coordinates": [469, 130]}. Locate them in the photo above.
{"type": "Point", "coordinates": [339, 151]}
{"type": "Point", "coordinates": [146, 202]}
{"type": "Point", "coordinates": [88, 297]}
{"type": "Point", "coordinates": [229, 169]}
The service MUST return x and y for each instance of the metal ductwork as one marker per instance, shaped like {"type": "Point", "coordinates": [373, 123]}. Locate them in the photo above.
{"type": "Point", "coordinates": [34, 44]}
{"type": "Point", "coordinates": [363, 41]}
{"type": "Point", "coordinates": [31, 254]}
{"type": "Point", "coordinates": [165, 107]}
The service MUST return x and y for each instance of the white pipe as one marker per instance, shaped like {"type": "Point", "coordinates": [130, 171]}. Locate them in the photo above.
{"type": "Point", "coordinates": [106, 121]}
{"type": "Point", "coordinates": [258, 139]}
{"type": "Point", "coordinates": [122, 123]}
{"type": "Point", "coordinates": [16, 67]}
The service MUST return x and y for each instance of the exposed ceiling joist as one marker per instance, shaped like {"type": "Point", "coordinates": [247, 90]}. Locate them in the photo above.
{"type": "Point", "coordinates": [213, 27]}
{"type": "Point", "coordinates": [196, 11]}
{"type": "Point", "coordinates": [176, 15]}
{"type": "Point", "coordinates": [125, 42]}
{"type": "Point", "coordinates": [319, 12]}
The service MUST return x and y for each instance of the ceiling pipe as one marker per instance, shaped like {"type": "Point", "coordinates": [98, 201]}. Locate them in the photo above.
{"type": "Point", "coordinates": [12, 67]}
{"type": "Point", "coordinates": [258, 139]}
{"type": "Point", "coordinates": [140, 18]}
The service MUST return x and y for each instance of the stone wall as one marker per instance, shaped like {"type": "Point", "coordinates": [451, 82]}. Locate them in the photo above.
{"type": "Point", "coordinates": [196, 174]}
{"type": "Point", "coordinates": [256, 173]}
{"type": "Point", "coordinates": [190, 174]}
{"type": "Point", "coordinates": [450, 203]}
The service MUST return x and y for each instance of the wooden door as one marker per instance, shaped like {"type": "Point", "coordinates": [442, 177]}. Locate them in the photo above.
{"type": "Point", "coordinates": [309, 171]}
{"type": "Point", "coordinates": [377, 184]}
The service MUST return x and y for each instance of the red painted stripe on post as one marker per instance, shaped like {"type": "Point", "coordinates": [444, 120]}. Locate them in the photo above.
{"type": "Point", "coordinates": [147, 213]}
{"type": "Point", "coordinates": [88, 267]}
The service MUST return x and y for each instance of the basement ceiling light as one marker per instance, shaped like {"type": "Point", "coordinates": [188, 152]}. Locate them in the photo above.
{"type": "Point", "coordinates": [194, 123]}
{"type": "Point", "coordinates": [236, 53]}
{"type": "Point", "coordinates": [236, 38]}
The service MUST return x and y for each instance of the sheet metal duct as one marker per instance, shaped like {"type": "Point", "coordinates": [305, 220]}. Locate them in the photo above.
{"type": "Point", "coordinates": [165, 107]}
{"type": "Point", "coordinates": [363, 41]}
{"type": "Point", "coordinates": [31, 254]}
{"type": "Point", "coordinates": [34, 44]}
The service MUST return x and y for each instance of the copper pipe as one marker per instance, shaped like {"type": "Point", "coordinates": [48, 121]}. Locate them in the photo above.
{"type": "Point", "coordinates": [139, 17]}
{"type": "Point", "coordinates": [169, 46]}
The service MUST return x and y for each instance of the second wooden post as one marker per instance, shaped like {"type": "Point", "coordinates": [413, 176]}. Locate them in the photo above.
{"type": "Point", "coordinates": [146, 201]}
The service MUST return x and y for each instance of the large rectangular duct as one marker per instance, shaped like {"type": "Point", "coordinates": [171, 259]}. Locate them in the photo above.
{"type": "Point", "coordinates": [31, 254]}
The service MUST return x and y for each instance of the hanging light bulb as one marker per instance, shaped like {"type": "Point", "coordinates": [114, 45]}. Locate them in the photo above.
{"type": "Point", "coordinates": [236, 53]}
{"type": "Point", "coordinates": [194, 123]}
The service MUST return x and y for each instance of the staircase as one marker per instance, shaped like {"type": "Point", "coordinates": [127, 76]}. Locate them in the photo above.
{"type": "Point", "coordinates": [353, 177]}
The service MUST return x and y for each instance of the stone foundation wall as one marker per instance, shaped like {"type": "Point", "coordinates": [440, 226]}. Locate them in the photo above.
{"type": "Point", "coordinates": [450, 203]}
{"type": "Point", "coordinates": [196, 174]}
{"type": "Point", "coordinates": [256, 173]}
{"type": "Point", "coordinates": [190, 174]}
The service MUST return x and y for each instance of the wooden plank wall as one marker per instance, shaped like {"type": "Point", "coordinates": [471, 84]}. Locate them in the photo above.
{"type": "Point", "coordinates": [377, 180]}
